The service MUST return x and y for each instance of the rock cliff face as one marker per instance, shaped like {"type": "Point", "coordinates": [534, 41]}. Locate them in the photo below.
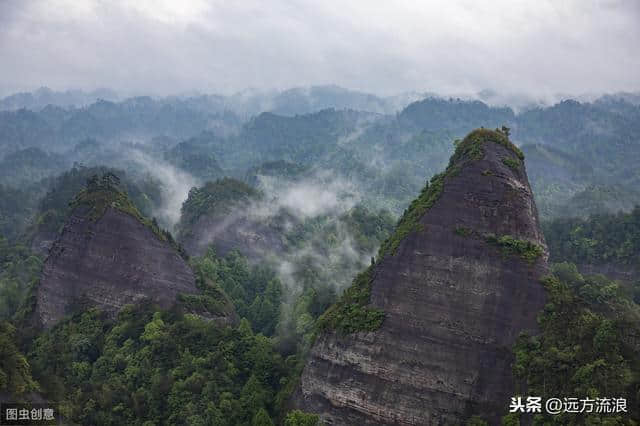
{"type": "Point", "coordinates": [220, 214]}
{"type": "Point", "coordinates": [109, 262]}
{"type": "Point", "coordinates": [42, 242]}
{"type": "Point", "coordinates": [237, 231]}
{"type": "Point", "coordinates": [456, 291]}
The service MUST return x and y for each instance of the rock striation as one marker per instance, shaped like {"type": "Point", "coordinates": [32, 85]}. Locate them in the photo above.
{"type": "Point", "coordinates": [221, 214]}
{"type": "Point", "coordinates": [107, 261]}
{"type": "Point", "coordinates": [240, 231]}
{"type": "Point", "coordinates": [456, 288]}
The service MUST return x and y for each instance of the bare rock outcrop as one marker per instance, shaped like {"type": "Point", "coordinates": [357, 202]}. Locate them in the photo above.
{"type": "Point", "coordinates": [220, 214]}
{"type": "Point", "coordinates": [456, 288]}
{"type": "Point", "coordinates": [109, 262]}
{"type": "Point", "coordinates": [239, 231]}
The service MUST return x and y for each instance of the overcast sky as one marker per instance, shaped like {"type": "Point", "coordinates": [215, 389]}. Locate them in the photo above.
{"type": "Point", "coordinates": [385, 47]}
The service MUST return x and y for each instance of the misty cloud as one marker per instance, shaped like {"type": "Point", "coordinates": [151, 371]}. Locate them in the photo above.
{"type": "Point", "coordinates": [175, 186]}
{"type": "Point", "coordinates": [321, 193]}
{"type": "Point", "coordinates": [165, 47]}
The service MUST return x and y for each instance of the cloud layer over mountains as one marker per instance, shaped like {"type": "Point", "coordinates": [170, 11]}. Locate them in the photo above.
{"type": "Point", "coordinates": [166, 47]}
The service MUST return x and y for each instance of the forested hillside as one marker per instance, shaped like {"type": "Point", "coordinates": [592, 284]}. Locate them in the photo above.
{"type": "Point", "coordinates": [279, 216]}
{"type": "Point", "coordinates": [581, 156]}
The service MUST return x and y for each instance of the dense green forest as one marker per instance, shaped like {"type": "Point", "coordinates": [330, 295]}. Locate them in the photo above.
{"type": "Point", "coordinates": [299, 213]}
{"type": "Point", "coordinates": [597, 239]}
{"type": "Point", "coordinates": [174, 367]}
{"type": "Point", "coordinates": [607, 243]}
{"type": "Point", "coordinates": [20, 270]}
{"type": "Point", "coordinates": [213, 199]}
{"type": "Point", "coordinates": [195, 157]}
{"type": "Point", "coordinates": [581, 157]}
{"type": "Point", "coordinates": [97, 375]}
{"type": "Point", "coordinates": [159, 368]}
{"type": "Point", "coordinates": [588, 346]}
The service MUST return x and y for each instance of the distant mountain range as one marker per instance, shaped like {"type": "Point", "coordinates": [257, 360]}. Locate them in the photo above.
{"type": "Point", "coordinates": [299, 100]}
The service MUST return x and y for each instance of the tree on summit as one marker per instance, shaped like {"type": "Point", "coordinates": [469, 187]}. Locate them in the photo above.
{"type": "Point", "coordinates": [93, 183]}
{"type": "Point", "coordinates": [109, 180]}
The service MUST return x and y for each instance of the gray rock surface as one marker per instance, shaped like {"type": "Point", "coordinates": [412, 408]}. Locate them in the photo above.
{"type": "Point", "coordinates": [454, 306]}
{"type": "Point", "coordinates": [42, 242]}
{"type": "Point", "coordinates": [235, 231]}
{"type": "Point", "coordinates": [109, 263]}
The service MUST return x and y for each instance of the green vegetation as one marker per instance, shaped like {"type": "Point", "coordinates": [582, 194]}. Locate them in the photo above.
{"type": "Point", "coordinates": [157, 367]}
{"type": "Point", "coordinates": [612, 238]}
{"type": "Point", "coordinates": [512, 163]}
{"type": "Point", "coordinates": [368, 228]}
{"type": "Point", "coordinates": [276, 169]}
{"type": "Point", "coordinates": [510, 246]}
{"type": "Point", "coordinates": [55, 206]}
{"type": "Point", "coordinates": [476, 421]}
{"type": "Point", "coordinates": [300, 418]}
{"type": "Point", "coordinates": [599, 200]}
{"type": "Point", "coordinates": [176, 368]}
{"type": "Point", "coordinates": [471, 146]}
{"type": "Point", "coordinates": [469, 149]}
{"type": "Point", "coordinates": [19, 270]}
{"type": "Point", "coordinates": [203, 305]}
{"type": "Point", "coordinates": [16, 207]}
{"type": "Point", "coordinates": [29, 165]}
{"type": "Point", "coordinates": [565, 152]}
{"type": "Point", "coordinates": [610, 242]}
{"type": "Point", "coordinates": [189, 156]}
{"type": "Point", "coordinates": [351, 313]}
{"type": "Point", "coordinates": [104, 192]}
{"type": "Point", "coordinates": [586, 347]}
{"type": "Point", "coordinates": [214, 198]}
{"type": "Point", "coordinates": [409, 222]}
{"type": "Point", "coordinates": [254, 291]}
{"type": "Point", "coordinates": [320, 255]}
{"type": "Point", "coordinates": [567, 157]}
{"type": "Point", "coordinates": [164, 367]}
{"type": "Point", "coordinates": [15, 371]}
{"type": "Point", "coordinates": [463, 231]}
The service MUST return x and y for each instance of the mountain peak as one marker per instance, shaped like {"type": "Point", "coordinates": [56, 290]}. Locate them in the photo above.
{"type": "Point", "coordinates": [103, 192]}
{"type": "Point", "coordinates": [423, 336]}
{"type": "Point", "coordinates": [108, 255]}
{"type": "Point", "coordinates": [471, 147]}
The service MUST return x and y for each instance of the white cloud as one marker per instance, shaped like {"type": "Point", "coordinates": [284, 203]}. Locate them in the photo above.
{"type": "Point", "coordinates": [317, 195]}
{"type": "Point", "coordinates": [167, 46]}
{"type": "Point", "coordinates": [175, 186]}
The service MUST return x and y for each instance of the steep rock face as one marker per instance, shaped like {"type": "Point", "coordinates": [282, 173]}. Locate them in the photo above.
{"type": "Point", "coordinates": [109, 262]}
{"type": "Point", "coordinates": [454, 300]}
{"type": "Point", "coordinates": [221, 214]}
{"type": "Point", "coordinates": [237, 231]}
{"type": "Point", "coordinates": [42, 242]}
